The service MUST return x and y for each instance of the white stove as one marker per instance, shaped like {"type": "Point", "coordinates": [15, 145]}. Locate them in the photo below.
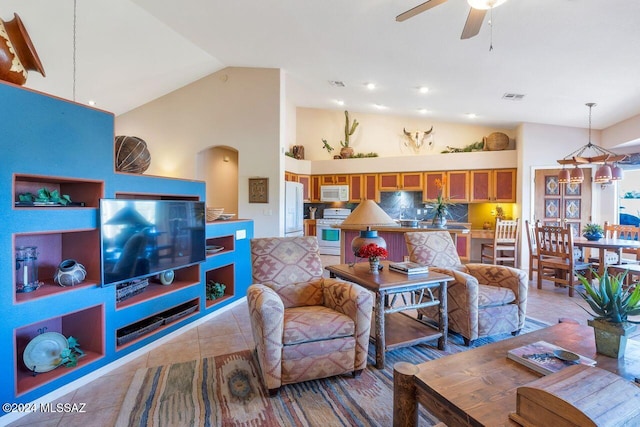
{"type": "Point", "coordinates": [328, 236]}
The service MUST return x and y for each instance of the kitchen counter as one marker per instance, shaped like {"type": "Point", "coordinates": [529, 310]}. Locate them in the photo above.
{"type": "Point", "coordinates": [394, 236]}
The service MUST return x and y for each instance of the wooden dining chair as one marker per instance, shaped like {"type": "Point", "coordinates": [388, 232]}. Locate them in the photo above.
{"type": "Point", "coordinates": [504, 247]}
{"type": "Point", "coordinates": [627, 232]}
{"type": "Point", "coordinates": [533, 247]}
{"type": "Point", "coordinates": [557, 259]}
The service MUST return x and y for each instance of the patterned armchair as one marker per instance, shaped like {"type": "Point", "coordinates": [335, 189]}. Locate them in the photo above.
{"type": "Point", "coordinates": [483, 300]}
{"type": "Point", "coordinates": [304, 326]}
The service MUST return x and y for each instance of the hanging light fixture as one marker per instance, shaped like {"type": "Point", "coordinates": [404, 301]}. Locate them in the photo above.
{"type": "Point", "coordinates": [598, 155]}
{"type": "Point", "coordinates": [564, 177]}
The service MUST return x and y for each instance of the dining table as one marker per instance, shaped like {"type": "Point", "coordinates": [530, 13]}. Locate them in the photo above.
{"type": "Point", "coordinates": [603, 245]}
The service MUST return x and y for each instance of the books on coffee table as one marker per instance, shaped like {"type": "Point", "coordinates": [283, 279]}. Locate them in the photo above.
{"type": "Point", "coordinates": [547, 358]}
{"type": "Point", "coordinates": [409, 267]}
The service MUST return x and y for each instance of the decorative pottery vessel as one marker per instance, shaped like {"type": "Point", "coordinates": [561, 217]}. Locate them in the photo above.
{"type": "Point", "coordinates": [611, 338]}
{"type": "Point", "coordinates": [346, 152]}
{"type": "Point", "coordinates": [374, 265]}
{"type": "Point", "coordinates": [69, 273]}
{"type": "Point", "coordinates": [17, 54]}
{"type": "Point", "coordinates": [439, 222]}
{"type": "Point", "coordinates": [132, 154]}
{"type": "Point", "coordinates": [593, 236]}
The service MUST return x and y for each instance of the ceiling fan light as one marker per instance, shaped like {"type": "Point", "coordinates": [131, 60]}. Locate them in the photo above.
{"type": "Point", "coordinates": [603, 174]}
{"type": "Point", "coordinates": [616, 173]}
{"type": "Point", "coordinates": [485, 4]}
{"type": "Point", "coordinates": [577, 176]}
{"type": "Point", "coordinates": [564, 177]}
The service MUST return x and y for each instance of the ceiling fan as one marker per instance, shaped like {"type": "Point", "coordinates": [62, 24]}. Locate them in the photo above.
{"type": "Point", "coordinates": [474, 20]}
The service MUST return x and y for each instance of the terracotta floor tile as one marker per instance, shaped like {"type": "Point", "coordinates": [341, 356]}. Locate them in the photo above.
{"type": "Point", "coordinates": [215, 346]}
{"type": "Point", "coordinates": [173, 353]}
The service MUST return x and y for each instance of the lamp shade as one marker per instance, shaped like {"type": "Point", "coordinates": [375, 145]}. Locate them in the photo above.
{"type": "Point", "coordinates": [368, 214]}
{"type": "Point", "coordinates": [577, 176]}
{"type": "Point", "coordinates": [603, 174]}
{"type": "Point", "coordinates": [616, 173]}
{"type": "Point", "coordinates": [564, 176]}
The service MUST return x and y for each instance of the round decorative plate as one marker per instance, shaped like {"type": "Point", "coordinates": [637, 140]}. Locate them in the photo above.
{"type": "Point", "coordinates": [212, 249]}
{"type": "Point", "coordinates": [42, 354]}
{"type": "Point", "coordinates": [566, 355]}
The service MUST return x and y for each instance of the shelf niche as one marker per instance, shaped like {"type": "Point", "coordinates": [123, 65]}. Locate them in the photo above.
{"type": "Point", "coordinates": [86, 326]}
{"type": "Point", "coordinates": [52, 248]}
{"type": "Point", "coordinates": [225, 275]}
{"type": "Point", "coordinates": [148, 196]}
{"type": "Point", "coordinates": [88, 192]}
{"type": "Point", "coordinates": [227, 242]}
{"type": "Point", "coordinates": [184, 277]}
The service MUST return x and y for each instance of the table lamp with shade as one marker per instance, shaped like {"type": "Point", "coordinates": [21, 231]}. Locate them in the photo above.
{"type": "Point", "coordinates": [370, 215]}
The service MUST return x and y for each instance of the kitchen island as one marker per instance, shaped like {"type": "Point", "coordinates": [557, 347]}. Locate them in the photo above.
{"type": "Point", "coordinates": [394, 236]}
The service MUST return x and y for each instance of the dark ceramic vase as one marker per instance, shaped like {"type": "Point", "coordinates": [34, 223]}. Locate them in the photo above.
{"type": "Point", "coordinates": [69, 273]}
{"type": "Point", "coordinates": [593, 236]}
{"type": "Point", "coordinates": [17, 54]}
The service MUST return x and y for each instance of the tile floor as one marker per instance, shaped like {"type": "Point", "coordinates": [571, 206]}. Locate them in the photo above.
{"type": "Point", "coordinates": [228, 332]}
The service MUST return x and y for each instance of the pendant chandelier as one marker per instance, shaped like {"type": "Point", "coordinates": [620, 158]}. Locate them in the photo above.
{"type": "Point", "coordinates": [591, 154]}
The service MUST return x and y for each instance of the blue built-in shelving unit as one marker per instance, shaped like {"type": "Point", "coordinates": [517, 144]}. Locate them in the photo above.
{"type": "Point", "coordinates": [57, 144]}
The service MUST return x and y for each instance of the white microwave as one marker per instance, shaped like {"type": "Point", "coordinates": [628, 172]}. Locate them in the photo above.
{"type": "Point", "coordinates": [334, 193]}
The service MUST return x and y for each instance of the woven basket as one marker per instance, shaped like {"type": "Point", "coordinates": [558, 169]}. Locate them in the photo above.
{"type": "Point", "coordinates": [132, 154]}
{"type": "Point", "coordinates": [214, 213]}
{"type": "Point", "coordinates": [496, 141]}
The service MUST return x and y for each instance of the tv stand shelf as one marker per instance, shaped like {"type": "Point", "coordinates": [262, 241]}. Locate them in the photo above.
{"type": "Point", "coordinates": [83, 140]}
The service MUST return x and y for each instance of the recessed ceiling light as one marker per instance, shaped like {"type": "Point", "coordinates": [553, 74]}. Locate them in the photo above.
{"type": "Point", "coordinates": [371, 86]}
{"type": "Point", "coordinates": [339, 101]}
{"type": "Point", "coordinates": [423, 89]}
{"type": "Point", "coordinates": [380, 106]}
{"type": "Point", "coordinates": [423, 110]}
{"type": "Point", "coordinates": [471, 115]}
{"type": "Point", "coordinates": [92, 102]}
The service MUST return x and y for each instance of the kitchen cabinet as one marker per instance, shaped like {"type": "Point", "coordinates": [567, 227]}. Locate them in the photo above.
{"type": "Point", "coordinates": [457, 188]}
{"type": "Point", "coordinates": [355, 188]}
{"type": "Point", "coordinates": [292, 177]}
{"type": "Point", "coordinates": [314, 190]}
{"type": "Point", "coordinates": [370, 187]}
{"type": "Point", "coordinates": [305, 180]}
{"type": "Point", "coordinates": [334, 179]}
{"type": "Point", "coordinates": [407, 181]}
{"type": "Point", "coordinates": [309, 227]}
{"type": "Point", "coordinates": [493, 185]}
{"type": "Point", "coordinates": [432, 182]}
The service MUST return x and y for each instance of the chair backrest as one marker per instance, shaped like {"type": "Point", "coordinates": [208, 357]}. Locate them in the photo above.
{"type": "Point", "coordinates": [507, 231]}
{"type": "Point", "coordinates": [617, 231]}
{"type": "Point", "coordinates": [554, 241]}
{"type": "Point", "coordinates": [531, 237]}
{"type": "Point", "coordinates": [283, 261]}
{"type": "Point", "coordinates": [434, 248]}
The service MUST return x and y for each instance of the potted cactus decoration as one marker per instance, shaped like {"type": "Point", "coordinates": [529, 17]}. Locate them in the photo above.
{"type": "Point", "coordinates": [346, 150]}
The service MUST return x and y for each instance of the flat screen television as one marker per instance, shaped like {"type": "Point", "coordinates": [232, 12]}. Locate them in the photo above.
{"type": "Point", "coordinates": [143, 238]}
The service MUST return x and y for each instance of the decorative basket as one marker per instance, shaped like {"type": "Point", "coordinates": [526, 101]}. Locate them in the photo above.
{"type": "Point", "coordinates": [214, 213]}
{"type": "Point", "coordinates": [496, 141]}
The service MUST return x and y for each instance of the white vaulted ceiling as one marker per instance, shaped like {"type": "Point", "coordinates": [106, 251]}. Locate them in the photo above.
{"type": "Point", "coordinates": [559, 53]}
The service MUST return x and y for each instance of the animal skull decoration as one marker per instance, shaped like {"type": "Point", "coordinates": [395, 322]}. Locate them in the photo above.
{"type": "Point", "coordinates": [415, 140]}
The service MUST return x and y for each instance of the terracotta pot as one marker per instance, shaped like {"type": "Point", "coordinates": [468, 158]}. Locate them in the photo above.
{"type": "Point", "coordinates": [346, 152]}
{"type": "Point", "coordinates": [17, 54]}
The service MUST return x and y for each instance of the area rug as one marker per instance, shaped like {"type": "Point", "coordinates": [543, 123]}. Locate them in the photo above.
{"type": "Point", "coordinates": [227, 391]}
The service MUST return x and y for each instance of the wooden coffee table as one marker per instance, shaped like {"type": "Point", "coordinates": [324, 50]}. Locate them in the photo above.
{"type": "Point", "coordinates": [478, 387]}
{"type": "Point", "coordinates": [395, 293]}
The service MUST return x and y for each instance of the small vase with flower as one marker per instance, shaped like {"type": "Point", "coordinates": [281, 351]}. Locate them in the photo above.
{"type": "Point", "coordinates": [440, 206]}
{"type": "Point", "coordinates": [375, 253]}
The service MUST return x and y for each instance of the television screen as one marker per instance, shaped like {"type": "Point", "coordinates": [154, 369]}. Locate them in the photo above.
{"type": "Point", "coordinates": [142, 238]}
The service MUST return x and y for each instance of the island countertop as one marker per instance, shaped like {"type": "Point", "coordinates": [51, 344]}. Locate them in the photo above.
{"type": "Point", "coordinates": [457, 227]}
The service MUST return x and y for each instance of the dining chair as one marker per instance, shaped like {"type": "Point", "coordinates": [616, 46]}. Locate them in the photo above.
{"type": "Point", "coordinates": [533, 247]}
{"type": "Point", "coordinates": [557, 258]}
{"type": "Point", "coordinates": [627, 232]}
{"type": "Point", "coordinates": [504, 247]}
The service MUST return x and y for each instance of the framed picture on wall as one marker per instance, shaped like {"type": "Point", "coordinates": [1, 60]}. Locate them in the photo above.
{"type": "Point", "coordinates": [258, 190]}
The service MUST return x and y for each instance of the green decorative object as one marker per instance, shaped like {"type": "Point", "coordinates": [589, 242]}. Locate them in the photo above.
{"type": "Point", "coordinates": [215, 290]}
{"type": "Point", "coordinates": [593, 232]}
{"type": "Point", "coordinates": [611, 304]}
{"type": "Point", "coordinates": [476, 146]}
{"type": "Point", "coordinates": [45, 196]}
{"type": "Point", "coordinates": [69, 356]}
{"type": "Point", "coordinates": [349, 129]}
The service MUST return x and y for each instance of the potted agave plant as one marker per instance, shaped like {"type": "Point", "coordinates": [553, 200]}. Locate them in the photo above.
{"type": "Point", "coordinates": [611, 304]}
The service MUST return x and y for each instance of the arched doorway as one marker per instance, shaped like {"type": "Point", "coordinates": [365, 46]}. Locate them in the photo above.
{"type": "Point", "coordinates": [218, 167]}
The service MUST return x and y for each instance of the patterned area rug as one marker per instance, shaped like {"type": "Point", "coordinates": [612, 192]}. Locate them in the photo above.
{"type": "Point", "coordinates": [227, 391]}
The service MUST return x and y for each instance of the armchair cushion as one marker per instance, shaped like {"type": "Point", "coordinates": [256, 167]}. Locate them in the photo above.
{"type": "Point", "coordinates": [315, 323]}
{"type": "Point", "coordinates": [492, 296]}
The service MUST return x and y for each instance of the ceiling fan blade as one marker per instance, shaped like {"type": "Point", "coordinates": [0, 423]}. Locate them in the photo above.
{"type": "Point", "coordinates": [418, 9]}
{"type": "Point", "coordinates": [473, 24]}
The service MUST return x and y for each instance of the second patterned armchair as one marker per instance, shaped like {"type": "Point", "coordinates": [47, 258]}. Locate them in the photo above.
{"type": "Point", "coordinates": [483, 300]}
{"type": "Point", "coordinates": [304, 326]}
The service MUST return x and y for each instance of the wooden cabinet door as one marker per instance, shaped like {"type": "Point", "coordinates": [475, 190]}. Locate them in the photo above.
{"type": "Point", "coordinates": [305, 180]}
{"type": "Point", "coordinates": [355, 188]}
{"type": "Point", "coordinates": [370, 187]}
{"type": "Point", "coordinates": [481, 184]}
{"type": "Point", "coordinates": [457, 189]}
{"type": "Point", "coordinates": [309, 227]}
{"type": "Point", "coordinates": [341, 179]}
{"type": "Point", "coordinates": [288, 176]}
{"type": "Point", "coordinates": [504, 185]}
{"type": "Point", "coordinates": [411, 181]}
{"type": "Point", "coordinates": [315, 188]}
{"type": "Point", "coordinates": [327, 180]}
{"type": "Point", "coordinates": [463, 246]}
{"type": "Point", "coordinates": [389, 181]}
{"type": "Point", "coordinates": [431, 187]}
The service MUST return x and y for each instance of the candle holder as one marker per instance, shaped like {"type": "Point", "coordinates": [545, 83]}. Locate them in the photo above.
{"type": "Point", "coordinates": [27, 269]}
